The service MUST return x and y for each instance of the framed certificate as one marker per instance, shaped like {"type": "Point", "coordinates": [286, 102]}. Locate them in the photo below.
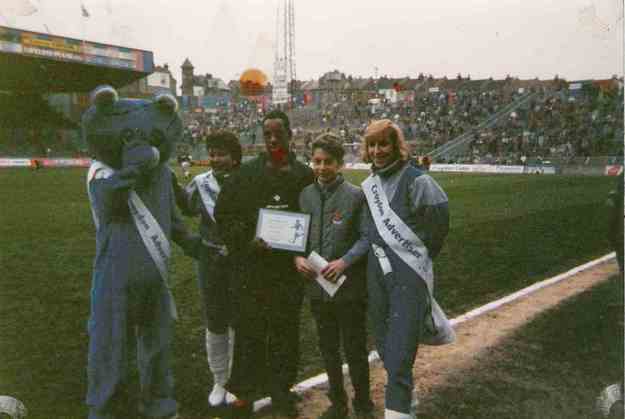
{"type": "Point", "coordinates": [283, 229]}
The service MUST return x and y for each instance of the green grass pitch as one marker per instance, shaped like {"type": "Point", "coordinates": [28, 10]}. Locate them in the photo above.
{"type": "Point", "coordinates": [507, 231]}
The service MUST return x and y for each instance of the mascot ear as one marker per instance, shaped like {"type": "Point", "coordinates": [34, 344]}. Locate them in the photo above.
{"type": "Point", "coordinates": [104, 95]}
{"type": "Point", "coordinates": [166, 102]}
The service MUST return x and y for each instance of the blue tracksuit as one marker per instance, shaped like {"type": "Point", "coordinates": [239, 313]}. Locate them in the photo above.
{"type": "Point", "coordinates": [399, 303]}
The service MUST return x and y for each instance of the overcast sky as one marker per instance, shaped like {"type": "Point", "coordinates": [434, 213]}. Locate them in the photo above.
{"type": "Point", "coordinates": [576, 39]}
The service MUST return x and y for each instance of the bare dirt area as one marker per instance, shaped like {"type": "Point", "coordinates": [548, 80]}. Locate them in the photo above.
{"type": "Point", "coordinates": [475, 338]}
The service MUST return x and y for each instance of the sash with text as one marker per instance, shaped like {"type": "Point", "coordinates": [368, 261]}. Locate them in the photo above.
{"type": "Point", "coordinates": [150, 231]}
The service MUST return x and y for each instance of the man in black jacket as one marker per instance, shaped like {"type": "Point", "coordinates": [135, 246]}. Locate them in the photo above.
{"type": "Point", "coordinates": [268, 293]}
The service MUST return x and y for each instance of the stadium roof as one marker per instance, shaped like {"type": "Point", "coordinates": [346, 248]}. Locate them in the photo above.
{"type": "Point", "coordinates": [30, 111]}
{"type": "Point", "coordinates": [32, 62]}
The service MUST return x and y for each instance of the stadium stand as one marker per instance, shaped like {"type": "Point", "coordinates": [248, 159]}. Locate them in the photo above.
{"type": "Point", "coordinates": [44, 84]}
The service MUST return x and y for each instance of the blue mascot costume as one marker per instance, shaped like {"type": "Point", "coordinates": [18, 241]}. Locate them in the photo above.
{"type": "Point", "coordinates": [133, 205]}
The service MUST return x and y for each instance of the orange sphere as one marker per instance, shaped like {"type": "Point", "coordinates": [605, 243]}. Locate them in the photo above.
{"type": "Point", "coordinates": [253, 82]}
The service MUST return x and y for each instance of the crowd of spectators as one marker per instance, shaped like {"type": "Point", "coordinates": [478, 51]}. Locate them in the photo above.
{"type": "Point", "coordinates": [564, 124]}
{"type": "Point", "coordinates": [550, 124]}
{"type": "Point", "coordinates": [431, 119]}
{"type": "Point", "coordinates": [243, 119]}
{"type": "Point", "coordinates": [553, 126]}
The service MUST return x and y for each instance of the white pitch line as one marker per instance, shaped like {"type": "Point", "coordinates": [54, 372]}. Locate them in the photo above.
{"type": "Point", "coordinates": [373, 355]}
{"type": "Point", "coordinates": [528, 290]}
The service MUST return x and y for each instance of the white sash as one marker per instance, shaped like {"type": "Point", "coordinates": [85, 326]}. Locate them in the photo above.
{"type": "Point", "coordinates": [399, 237]}
{"type": "Point", "coordinates": [150, 231]}
{"type": "Point", "coordinates": [408, 247]}
{"type": "Point", "coordinates": [209, 190]}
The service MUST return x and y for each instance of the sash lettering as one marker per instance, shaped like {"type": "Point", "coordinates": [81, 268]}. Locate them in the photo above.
{"type": "Point", "coordinates": [150, 231]}
{"type": "Point", "coordinates": [399, 237]}
{"type": "Point", "coordinates": [404, 243]}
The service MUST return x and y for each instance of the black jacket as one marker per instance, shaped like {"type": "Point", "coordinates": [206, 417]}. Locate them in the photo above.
{"type": "Point", "coordinates": [257, 186]}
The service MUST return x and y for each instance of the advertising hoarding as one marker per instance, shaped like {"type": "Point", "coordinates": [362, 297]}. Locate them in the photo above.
{"type": "Point", "coordinates": [35, 44]}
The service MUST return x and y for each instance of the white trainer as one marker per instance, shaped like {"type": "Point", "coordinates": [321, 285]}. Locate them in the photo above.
{"type": "Point", "coordinates": [220, 396]}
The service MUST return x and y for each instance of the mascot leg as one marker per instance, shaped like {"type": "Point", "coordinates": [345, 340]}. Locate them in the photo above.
{"type": "Point", "coordinates": [109, 346]}
{"type": "Point", "coordinates": [154, 336]}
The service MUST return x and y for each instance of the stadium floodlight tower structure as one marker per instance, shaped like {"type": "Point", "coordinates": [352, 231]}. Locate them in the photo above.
{"type": "Point", "coordinates": [284, 71]}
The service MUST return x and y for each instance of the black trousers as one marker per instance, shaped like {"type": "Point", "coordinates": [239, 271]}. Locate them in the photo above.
{"type": "Point", "coordinates": [214, 284]}
{"type": "Point", "coordinates": [266, 319]}
{"type": "Point", "coordinates": [344, 322]}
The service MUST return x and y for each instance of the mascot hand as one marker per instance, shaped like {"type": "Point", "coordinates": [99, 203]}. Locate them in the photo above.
{"type": "Point", "coordinates": [125, 178]}
{"type": "Point", "coordinates": [141, 156]}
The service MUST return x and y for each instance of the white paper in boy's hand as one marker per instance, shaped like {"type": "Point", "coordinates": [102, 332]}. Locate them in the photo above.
{"type": "Point", "coordinates": [318, 263]}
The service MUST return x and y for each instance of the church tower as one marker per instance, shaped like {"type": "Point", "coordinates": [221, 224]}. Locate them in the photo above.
{"type": "Point", "coordinates": [187, 78]}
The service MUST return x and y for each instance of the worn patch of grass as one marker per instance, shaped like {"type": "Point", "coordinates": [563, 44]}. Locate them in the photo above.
{"type": "Point", "coordinates": [554, 367]}
{"type": "Point", "coordinates": [507, 232]}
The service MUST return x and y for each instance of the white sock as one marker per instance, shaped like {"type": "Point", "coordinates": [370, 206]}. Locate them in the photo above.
{"type": "Point", "coordinates": [393, 414]}
{"type": "Point", "coordinates": [219, 357]}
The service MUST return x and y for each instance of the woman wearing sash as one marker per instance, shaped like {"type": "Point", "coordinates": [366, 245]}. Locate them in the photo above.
{"type": "Point", "coordinates": [408, 221]}
{"type": "Point", "coordinates": [214, 268]}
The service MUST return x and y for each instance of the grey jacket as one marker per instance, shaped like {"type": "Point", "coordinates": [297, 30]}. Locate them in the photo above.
{"type": "Point", "coordinates": [336, 231]}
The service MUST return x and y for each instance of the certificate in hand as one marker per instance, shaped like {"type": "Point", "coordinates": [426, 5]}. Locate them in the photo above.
{"type": "Point", "coordinates": [283, 229]}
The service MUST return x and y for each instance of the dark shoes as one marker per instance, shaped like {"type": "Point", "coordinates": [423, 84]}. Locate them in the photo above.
{"type": "Point", "coordinates": [241, 409]}
{"type": "Point", "coordinates": [335, 411]}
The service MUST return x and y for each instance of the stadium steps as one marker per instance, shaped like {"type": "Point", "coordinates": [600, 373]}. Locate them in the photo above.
{"type": "Point", "coordinates": [460, 142]}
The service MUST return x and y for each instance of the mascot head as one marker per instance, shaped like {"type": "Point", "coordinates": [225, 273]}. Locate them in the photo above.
{"type": "Point", "coordinates": [121, 132]}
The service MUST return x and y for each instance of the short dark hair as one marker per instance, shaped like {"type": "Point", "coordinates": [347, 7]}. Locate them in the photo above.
{"type": "Point", "coordinates": [278, 114]}
{"type": "Point", "coordinates": [225, 140]}
{"type": "Point", "coordinates": [331, 144]}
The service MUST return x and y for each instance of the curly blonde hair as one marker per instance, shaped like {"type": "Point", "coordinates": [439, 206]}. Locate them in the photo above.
{"type": "Point", "coordinates": [385, 128]}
